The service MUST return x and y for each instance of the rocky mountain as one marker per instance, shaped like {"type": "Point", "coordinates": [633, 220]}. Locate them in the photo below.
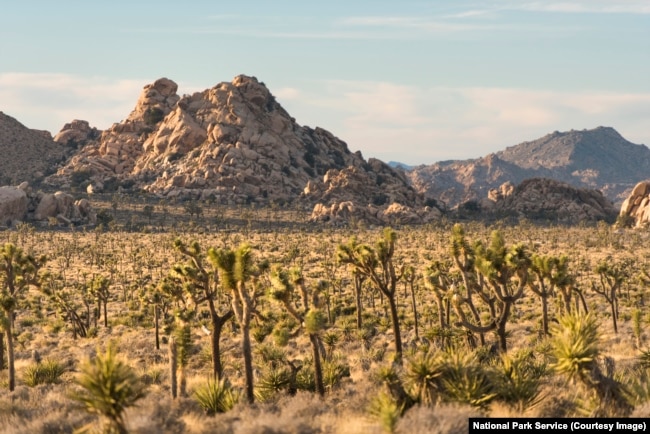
{"type": "Point", "coordinates": [549, 199]}
{"type": "Point", "coordinates": [26, 154]}
{"type": "Point", "coordinates": [597, 159]}
{"type": "Point", "coordinates": [233, 143]}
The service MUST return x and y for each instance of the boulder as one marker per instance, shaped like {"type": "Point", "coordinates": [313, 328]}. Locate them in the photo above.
{"type": "Point", "coordinates": [636, 207]}
{"type": "Point", "coordinates": [77, 132]}
{"type": "Point", "coordinates": [47, 207]}
{"type": "Point", "coordinates": [13, 205]}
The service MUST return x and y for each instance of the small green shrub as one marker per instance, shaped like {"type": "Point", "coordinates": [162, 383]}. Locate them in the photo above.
{"type": "Point", "coordinates": [216, 396]}
{"type": "Point", "coordinates": [46, 372]}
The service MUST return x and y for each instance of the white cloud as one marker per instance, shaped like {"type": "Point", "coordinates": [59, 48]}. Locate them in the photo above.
{"type": "Point", "coordinates": [582, 6]}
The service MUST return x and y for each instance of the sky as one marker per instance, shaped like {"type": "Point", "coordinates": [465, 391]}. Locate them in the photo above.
{"type": "Point", "coordinates": [409, 81]}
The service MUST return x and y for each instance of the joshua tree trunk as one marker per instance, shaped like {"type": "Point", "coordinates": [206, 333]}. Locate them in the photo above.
{"type": "Point", "coordinates": [358, 282]}
{"type": "Point", "coordinates": [415, 311]}
{"type": "Point", "coordinates": [2, 353]}
{"type": "Point", "coordinates": [156, 318]}
{"type": "Point", "coordinates": [10, 355]}
{"type": "Point", "coordinates": [396, 331]}
{"type": "Point", "coordinates": [173, 354]}
{"type": "Point", "coordinates": [501, 327]}
{"type": "Point", "coordinates": [318, 370]}
{"type": "Point", "coordinates": [217, 325]}
{"type": "Point", "coordinates": [614, 322]}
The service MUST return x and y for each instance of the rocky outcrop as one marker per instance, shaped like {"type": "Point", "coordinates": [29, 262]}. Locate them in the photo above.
{"type": "Point", "coordinates": [77, 133]}
{"type": "Point", "coordinates": [594, 159]}
{"type": "Point", "coordinates": [549, 199]}
{"type": "Point", "coordinates": [13, 205]}
{"type": "Point", "coordinates": [22, 204]}
{"type": "Point", "coordinates": [635, 210]}
{"type": "Point", "coordinates": [232, 144]}
{"type": "Point", "coordinates": [26, 154]}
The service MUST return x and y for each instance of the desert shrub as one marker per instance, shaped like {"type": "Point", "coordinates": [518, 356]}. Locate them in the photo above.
{"type": "Point", "coordinates": [108, 386]}
{"type": "Point", "coordinates": [517, 380]}
{"type": "Point", "coordinates": [216, 396]}
{"type": "Point", "coordinates": [272, 381]}
{"type": "Point", "coordinates": [153, 115]}
{"type": "Point", "coordinates": [386, 410]}
{"type": "Point", "coordinates": [78, 177]}
{"type": "Point", "coordinates": [45, 372]}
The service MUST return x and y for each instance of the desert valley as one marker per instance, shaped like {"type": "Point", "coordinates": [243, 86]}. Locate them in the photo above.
{"type": "Point", "coordinates": [209, 264]}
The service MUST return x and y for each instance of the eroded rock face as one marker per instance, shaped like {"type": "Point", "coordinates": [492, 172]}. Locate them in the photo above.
{"type": "Point", "coordinates": [637, 205]}
{"type": "Point", "coordinates": [550, 199]}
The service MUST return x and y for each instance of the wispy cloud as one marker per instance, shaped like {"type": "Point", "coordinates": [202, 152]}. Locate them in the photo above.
{"type": "Point", "coordinates": [48, 100]}
{"type": "Point", "coordinates": [391, 121]}
{"type": "Point", "coordinates": [423, 125]}
{"type": "Point", "coordinates": [591, 6]}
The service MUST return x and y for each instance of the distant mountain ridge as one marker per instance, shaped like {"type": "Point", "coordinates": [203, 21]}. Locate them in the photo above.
{"type": "Point", "coordinates": [597, 159]}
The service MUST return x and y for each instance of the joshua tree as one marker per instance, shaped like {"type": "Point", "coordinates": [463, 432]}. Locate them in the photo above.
{"type": "Point", "coordinates": [378, 266]}
{"type": "Point", "coordinates": [437, 279]}
{"type": "Point", "coordinates": [99, 287]}
{"type": "Point", "coordinates": [611, 277]}
{"type": "Point", "coordinates": [18, 271]}
{"type": "Point", "coordinates": [235, 268]}
{"type": "Point", "coordinates": [309, 313]}
{"type": "Point", "coordinates": [500, 276]}
{"type": "Point", "coordinates": [108, 388]}
{"type": "Point", "coordinates": [409, 278]}
{"type": "Point", "coordinates": [547, 274]}
{"type": "Point", "coordinates": [200, 284]}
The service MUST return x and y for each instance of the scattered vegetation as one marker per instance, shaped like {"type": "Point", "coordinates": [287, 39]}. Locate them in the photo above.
{"type": "Point", "coordinates": [240, 305]}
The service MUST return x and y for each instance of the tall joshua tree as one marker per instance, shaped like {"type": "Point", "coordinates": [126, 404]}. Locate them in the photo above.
{"type": "Point", "coordinates": [200, 284]}
{"type": "Point", "coordinates": [18, 271]}
{"type": "Point", "coordinates": [610, 278]}
{"type": "Point", "coordinates": [378, 265]}
{"type": "Point", "coordinates": [236, 269]}
{"type": "Point", "coordinates": [500, 276]}
{"type": "Point", "coordinates": [549, 273]}
{"type": "Point", "coordinates": [309, 313]}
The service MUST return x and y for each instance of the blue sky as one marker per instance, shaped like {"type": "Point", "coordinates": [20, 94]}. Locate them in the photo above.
{"type": "Point", "coordinates": [413, 81]}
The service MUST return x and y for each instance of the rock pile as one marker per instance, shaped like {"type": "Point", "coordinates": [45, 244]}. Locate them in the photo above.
{"type": "Point", "coordinates": [549, 199]}
{"type": "Point", "coordinates": [233, 144]}
{"type": "Point", "coordinates": [20, 203]}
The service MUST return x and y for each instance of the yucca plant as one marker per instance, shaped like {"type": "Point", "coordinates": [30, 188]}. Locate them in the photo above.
{"type": "Point", "coordinates": [273, 380]}
{"type": "Point", "coordinates": [45, 372]}
{"type": "Point", "coordinates": [465, 380]}
{"type": "Point", "coordinates": [386, 410]}
{"type": "Point", "coordinates": [108, 387]}
{"type": "Point", "coordinates": [216, 396]}
{"type": "Point", "coordinates": [517, 381]}
{"type": "Point", "coordinates": [575, 347]}
{"type": "Point", "coordinates": [422, 377]}
{"type": "Point", "coordinates": [576, 350]}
